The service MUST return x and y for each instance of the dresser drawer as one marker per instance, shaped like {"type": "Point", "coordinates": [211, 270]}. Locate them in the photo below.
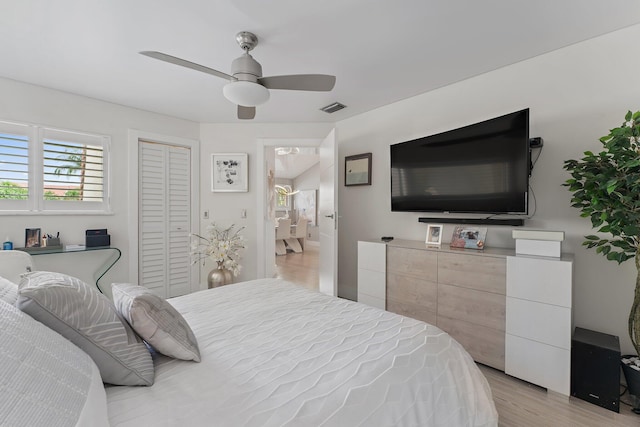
{"type": "Point", "coordinates": [545, 323]}
{"type": "Point", "coordinates": [473, 271]}
{"type": "Point", "coordinates": [371, 301]}
{"type": "Point", "coordinates": [413, 310]}
{"type": "Point", "coordinates": [409, 289]}
{"type": "Point", "coordinates": [485, 345]}
{"type": "Point", "coordinates": [541, 364]}
{"type": "Point", "coordinates": [372, 256]}
{"type": "Point", "coordinates": [476, 307]}
{"type": "Point", "coordinates": [539, 279]}
{"type": "Point", "coordinates": [372, 283]}
{"type": "Point", "coordinates": [413, 262]}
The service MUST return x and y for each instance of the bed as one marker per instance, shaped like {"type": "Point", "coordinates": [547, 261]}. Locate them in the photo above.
{"type": "Point", "coordinates": [276, 354]}
{"type": "Point", "coordinates": [263, 353]}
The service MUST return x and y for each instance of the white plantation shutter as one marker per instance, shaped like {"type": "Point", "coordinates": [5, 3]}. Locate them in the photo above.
{"type": "Point", "coordinates": [164, 211]}
{"type": "Point", "coordinates": [73, 166]}
{"type": "Point", "coordinates": [52, 170]}
{"type": "Point", "coordinates": [14, 166]}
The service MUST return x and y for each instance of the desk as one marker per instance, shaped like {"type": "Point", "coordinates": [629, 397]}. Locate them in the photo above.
{"type": "Point", "coordinates": [100, 272]}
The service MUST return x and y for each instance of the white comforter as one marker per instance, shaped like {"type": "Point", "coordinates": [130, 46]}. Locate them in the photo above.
{"type": "Point", "coordinates": [276, 354]}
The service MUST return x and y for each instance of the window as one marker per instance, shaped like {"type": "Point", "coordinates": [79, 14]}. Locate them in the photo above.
{"type": "Point", "coordinates": [51, 170]}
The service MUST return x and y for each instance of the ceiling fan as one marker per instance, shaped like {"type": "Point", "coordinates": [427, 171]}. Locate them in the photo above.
{"type": "Point", "coordinates": [247, 88]}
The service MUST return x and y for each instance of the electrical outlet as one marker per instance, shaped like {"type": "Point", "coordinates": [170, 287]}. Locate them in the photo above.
{"type": "Point", "coordinates": [309, 235]}
{"type": "Point", "coordinates": [205, 215]}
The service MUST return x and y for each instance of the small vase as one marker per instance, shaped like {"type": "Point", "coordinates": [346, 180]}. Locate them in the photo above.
{"type": "Point", "coordinates": [219, 276]}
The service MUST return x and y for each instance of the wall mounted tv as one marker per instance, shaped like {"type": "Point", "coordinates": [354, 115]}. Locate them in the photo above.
{"type": "Point", "coordinates": [480, 168]}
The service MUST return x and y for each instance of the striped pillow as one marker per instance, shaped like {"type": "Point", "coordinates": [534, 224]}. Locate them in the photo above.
{"type": "Point", "coordinates": [45, 379]}
{"type": "Point", "coordinates": [156, 321]}
{"type": "Point", "coordinates": [8, 291]}
{"type": "Point", "coordinates": [88, 319]}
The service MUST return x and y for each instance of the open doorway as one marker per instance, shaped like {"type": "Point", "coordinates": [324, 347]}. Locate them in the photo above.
{"type": "Point", "coordinates": [297, 181]}
{"type": "Point", "coordinates": [326, 207]}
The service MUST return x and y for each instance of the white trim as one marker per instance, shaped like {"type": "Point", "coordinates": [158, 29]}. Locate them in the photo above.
{"type": "Point", "coordinates": [193, 144]}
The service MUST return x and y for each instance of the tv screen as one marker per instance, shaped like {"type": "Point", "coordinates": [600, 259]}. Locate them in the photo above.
{"type": "Point", "coordinates": [480, 168]}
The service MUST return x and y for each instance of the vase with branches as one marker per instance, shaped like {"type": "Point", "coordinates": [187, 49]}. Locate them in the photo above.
{"type": "Point", "coordinates": [222, 245]}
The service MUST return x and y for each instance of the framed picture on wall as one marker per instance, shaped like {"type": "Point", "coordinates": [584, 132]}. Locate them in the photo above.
{"type": "Point", "coordinates": [229, 172]}
{"type": "Point", "coordinates": [434, 234]}
{"type": "Point", "coordinates": [357, 170]}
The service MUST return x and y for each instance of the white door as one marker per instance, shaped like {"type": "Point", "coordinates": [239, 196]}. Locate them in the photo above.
{"type": "Point", "coordinates": [164, 188]}
{"type": "Point", "coordinates": [327, 216]}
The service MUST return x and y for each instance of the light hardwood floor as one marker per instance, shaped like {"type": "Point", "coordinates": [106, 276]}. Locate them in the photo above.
{"type": "Point", "coordinates": [519, 403]}
{"type": "Point", "coordinates": [300, 268]}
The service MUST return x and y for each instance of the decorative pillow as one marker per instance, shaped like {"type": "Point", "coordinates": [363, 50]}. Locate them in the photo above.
{"type": "Point", "coordinates": [88, 319]}
{"type": "Point", "coordinates": [8, 291]}
{"type": "Point", "coordinates": [156, 321]}
{"type": "Point", "coordinates": [46, 380]}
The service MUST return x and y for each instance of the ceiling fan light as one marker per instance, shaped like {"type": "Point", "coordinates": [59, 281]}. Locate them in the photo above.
{"type": "Point", "coordinates": [247, 94]}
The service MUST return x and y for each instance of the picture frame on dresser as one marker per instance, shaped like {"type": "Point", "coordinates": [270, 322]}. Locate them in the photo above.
{"type": "Point", "coordinates": [466, 237]}
{"type": "Point", "coordinates": [434, 235]}
{"type": "Point", "coordinates": [32, 238]}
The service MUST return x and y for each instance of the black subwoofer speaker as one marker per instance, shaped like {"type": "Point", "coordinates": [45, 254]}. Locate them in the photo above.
{"type": "Point", "coordinates": [595, 368]}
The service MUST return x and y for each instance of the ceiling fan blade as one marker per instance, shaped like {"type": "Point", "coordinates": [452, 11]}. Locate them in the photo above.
{"type": "Point", "coordinates": [315, 82]}
{"type": "Point", "coordinates": [184, 63]}
{"type": "Point", "coordinates": [246, 113]}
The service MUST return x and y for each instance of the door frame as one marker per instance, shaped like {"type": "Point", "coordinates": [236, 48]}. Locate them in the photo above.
{"type": "Point", "coordinates": [134, 137]}
{"type": "Point", "coordinates": [266, 249]}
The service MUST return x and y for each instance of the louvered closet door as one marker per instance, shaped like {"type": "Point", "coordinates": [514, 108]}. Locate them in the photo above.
{"type": "Point", "coordinates": [164, 213]}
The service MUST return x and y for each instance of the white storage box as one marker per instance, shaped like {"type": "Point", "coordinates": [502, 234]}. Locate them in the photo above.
{"type": "Point", "coordinates": [538, 242]}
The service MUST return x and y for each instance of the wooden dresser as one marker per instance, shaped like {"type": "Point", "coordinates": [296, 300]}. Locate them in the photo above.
{"type": "Point", "coordinates": [513, 313]}
{"type": "Point", "coordinates": [463, 292]}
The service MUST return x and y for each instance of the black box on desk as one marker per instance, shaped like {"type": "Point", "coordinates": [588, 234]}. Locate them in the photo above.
{"type": "Point", "coordinates": [595, 368]}
{"type": "Point", "coordinates": [97, 237]}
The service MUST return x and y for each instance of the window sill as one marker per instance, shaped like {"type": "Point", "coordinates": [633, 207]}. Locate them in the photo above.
{"type": "Point", "coordinates": [51, 213]}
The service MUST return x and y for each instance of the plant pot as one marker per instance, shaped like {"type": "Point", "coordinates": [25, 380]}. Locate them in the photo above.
{"type": "Point", "coordinates": [219, 276]}
{"type": "Point", "coordinates": [631, 375]}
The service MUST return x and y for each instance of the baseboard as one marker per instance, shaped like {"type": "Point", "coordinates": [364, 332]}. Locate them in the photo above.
{"type": "Point", "coordinates": [312, 242]}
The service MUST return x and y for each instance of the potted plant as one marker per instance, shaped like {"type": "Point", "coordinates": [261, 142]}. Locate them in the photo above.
{"type": "Point", "coordinates": [222, 245]}
{"type": "Point", "coordinates": [606, 189]}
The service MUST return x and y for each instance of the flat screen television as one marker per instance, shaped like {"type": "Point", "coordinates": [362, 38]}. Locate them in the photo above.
{"type": "Point", "coordinates": [480, 168]}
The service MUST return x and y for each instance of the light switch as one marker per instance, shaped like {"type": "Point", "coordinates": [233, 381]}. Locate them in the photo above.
{"type": "Point", "coordinates": [205, 215]}
{"type": "Point", "coordinates": [243, 213]}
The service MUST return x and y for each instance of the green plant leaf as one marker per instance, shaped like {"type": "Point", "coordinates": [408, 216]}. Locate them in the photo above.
{"type": "Point", "coordinates": [605, 188]}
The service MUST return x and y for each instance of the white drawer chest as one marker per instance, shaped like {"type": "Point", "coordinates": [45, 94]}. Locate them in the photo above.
{"type": "Point", "coordinates": [539, 320]}
{"type": "Point", "coordinates": [510, 312]}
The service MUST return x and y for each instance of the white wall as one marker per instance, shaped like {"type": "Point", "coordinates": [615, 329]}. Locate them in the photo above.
{"type": "Point", "coordinates": [225, 208]}
{"type": "Point", "coordinates": [575, 94]}
{"type": "Point", "coordinates": [26, 103]}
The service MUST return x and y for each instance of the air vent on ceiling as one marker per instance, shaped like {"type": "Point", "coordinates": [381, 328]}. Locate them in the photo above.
{"type": "Point", "coordinates": [332, 108]}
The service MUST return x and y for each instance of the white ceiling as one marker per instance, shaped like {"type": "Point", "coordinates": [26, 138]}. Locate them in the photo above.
{"type": "Point", "coordinates": [290, 166]}
{"type": "Point", "coordinates": [381, 51]}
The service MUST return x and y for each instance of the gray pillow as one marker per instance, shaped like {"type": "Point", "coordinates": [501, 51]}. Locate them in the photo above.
{"type": "Point", "coordinates": [46, 380]}
{"type": "Point", "coordinates": [156, 321]}
{"type": "Point", "coordinates": [8, 291]}
{"type": "Point", "coordinates": [88, 319]}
